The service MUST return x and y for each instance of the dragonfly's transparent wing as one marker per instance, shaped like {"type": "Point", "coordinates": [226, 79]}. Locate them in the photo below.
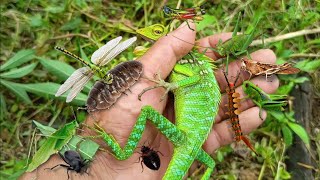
{"type": "Point", "coordinates": [117, 50]}
{"type": "Point", "coordinates": [78, 86]}
{"type": "Point", "coordinates": [99, 54]}
{"type": "Point", "coordinates": [72, 80]}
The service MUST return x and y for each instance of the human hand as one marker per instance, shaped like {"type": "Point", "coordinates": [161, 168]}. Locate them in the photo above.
{"type": "Point", "coordinates": [120, 119]}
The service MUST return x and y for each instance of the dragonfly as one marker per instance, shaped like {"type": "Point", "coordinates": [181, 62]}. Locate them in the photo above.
{"type": "Point", "coordinates": [99, 58]}
{"type": "Point", "coordinates": [194, 14]}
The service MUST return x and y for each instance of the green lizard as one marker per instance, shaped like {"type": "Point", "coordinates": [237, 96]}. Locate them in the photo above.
{"type": "Point", "coordinates": [197, 98]}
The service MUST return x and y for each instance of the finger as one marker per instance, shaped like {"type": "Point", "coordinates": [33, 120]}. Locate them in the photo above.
{"type": "Point", "coordinates": [212, 41]}
{"type": "Point", "coordinates": [163, 55]}
{"type": "Point", "coordinates": [268, 87]}
{"type": "Point", "coordinates": [262, 55]}
{"type": "Point", "coordinates": [222, 133]}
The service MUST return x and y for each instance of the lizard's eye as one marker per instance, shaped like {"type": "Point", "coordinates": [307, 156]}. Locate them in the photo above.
{"type": "Point", "coordinates": [157, 31]}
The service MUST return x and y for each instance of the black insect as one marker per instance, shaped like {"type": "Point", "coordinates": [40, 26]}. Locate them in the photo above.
{"type": "Point", "coordinates": [74, 161]}
{"type": "Point", "coordinates": [103, 95]}
{"type": "Point", "coordinates": [150, 158]}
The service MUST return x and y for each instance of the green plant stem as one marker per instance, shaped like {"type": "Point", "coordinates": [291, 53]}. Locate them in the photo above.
{"type": "Point", "coordinates": [285, 36]}
{"type": "Point", "coordinates": [280, 161]}
{"type": "Point", "coordinates": [262, 170]}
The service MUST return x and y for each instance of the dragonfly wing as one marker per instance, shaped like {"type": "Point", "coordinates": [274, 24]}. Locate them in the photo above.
{"type": "Point", "coordinates": [117, 50]}
{"type": "Point", "coordinates": [99, 54]}
{"type": "Point", "coordinates": [72, 80]}
{"type": "Point", "coordinates": [78, 86]}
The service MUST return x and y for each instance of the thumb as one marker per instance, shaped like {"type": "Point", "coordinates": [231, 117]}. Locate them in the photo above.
{"type": "Point", "coordinates": [164, 54]}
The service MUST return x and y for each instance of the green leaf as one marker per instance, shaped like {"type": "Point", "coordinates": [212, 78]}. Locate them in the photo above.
{"type": "Point", "coordinates": [60, 69]}
{"type": "Point", "coordinates": [45, 130]}
{"type": "Point", "coordinates": [207, 20]}
{"type": "Point", "coordinates": [3, 107]}
{"type": "Point", "coordinates": [308, 66]}
{"type": "Point", "coordinates": [20, 72]}
{"type": "Point", "coordinates": [279, 116]}
{"type": "Point", "coordinates": [13, 169]}
{"type": "Point", "coordinates": [83, 55]}
{"type": "Point", "coordinates": [19, 58]}
{"type": "Point", "coordinates": [285, 89]}
{"type": "Point", "coordinates": [81, 3]}
{"type": "Point", "coordinates": [284, 174]}
{"type": "Point", "coordinates": [16, 174]}
{"type": "Point", "coordinates": [220, 156]}
{"type": "Point", "coordinates": [287, 135]}
{"type": "Point", "coordinates": [71, 25]}
{"type": "Point", "coordinates": [87, 148]}
{"type": "Point", "coordinates": [300, 80]}
{"type": "Point", "coordinates": [49, 90]}
{"type": "Point", "coordinates": [52, 144]}
{"type": "Point", "coordinates": [36, 21]}
{"type": "Point", "coordinates": [17, 89]}
{"type": "Point", "coordinates": [301, 132]}
{"type": "Point", "coordinates": [54, 9]}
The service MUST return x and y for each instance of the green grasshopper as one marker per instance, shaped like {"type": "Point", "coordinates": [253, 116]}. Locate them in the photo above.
{"type": "Point", "coordinates": [237, 45]}
{"type": "Point", "coordinates": [269, 102]}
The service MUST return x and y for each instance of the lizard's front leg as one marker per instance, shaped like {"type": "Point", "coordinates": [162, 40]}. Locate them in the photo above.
{"type": "Point", "coordinates": [190, 79]}
{"type": "Point", "coordinates": [164, 125]}
{"type": "Point", "coordinates": [160, 83]}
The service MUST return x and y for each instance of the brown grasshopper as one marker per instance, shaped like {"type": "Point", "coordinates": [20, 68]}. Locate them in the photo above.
{"type": "Point", "coordinates": [258, 68]}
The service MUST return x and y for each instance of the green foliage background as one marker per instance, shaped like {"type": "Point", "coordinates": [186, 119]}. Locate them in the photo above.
{"type": "Point", "coordinates": [31, 29]}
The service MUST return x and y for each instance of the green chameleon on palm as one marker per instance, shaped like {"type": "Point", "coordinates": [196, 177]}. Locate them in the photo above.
{"type": "Point", "coordinates": [197, 98]}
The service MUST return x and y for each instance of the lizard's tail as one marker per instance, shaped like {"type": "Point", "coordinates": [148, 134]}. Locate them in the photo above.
{"type": "Point", "coordinates": [181, 161]}
{"type": "Point", "coordinates": [206, 159]}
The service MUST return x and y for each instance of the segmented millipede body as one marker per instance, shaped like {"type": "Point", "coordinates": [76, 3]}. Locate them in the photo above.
{"type": "Point", "coordinates": [103, 95]}
{"type": "Point", "coordinates": [233, 112]}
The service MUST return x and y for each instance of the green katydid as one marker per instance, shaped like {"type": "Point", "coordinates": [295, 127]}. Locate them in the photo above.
{"type": "Point", "coordinates": [237, 45]}
{"type": "Point", "coordinates": [269, 102]}
{"type": "Point", "coordinates": [61, 140]}
{"type": "Point", "coordinates": [52, 144]}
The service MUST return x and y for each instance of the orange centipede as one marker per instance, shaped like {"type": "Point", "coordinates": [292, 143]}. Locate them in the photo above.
{"type": "Point", "coordinates": [233, 112]}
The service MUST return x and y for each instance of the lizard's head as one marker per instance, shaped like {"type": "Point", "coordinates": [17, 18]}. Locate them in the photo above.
{"type": "Point", "coordinates": [153, 32]}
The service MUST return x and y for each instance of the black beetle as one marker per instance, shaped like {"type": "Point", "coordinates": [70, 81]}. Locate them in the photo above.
{"type": "Point", "coordinates": [150, 158]}
{"type": "Point", "coordinates": [74, 161]}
